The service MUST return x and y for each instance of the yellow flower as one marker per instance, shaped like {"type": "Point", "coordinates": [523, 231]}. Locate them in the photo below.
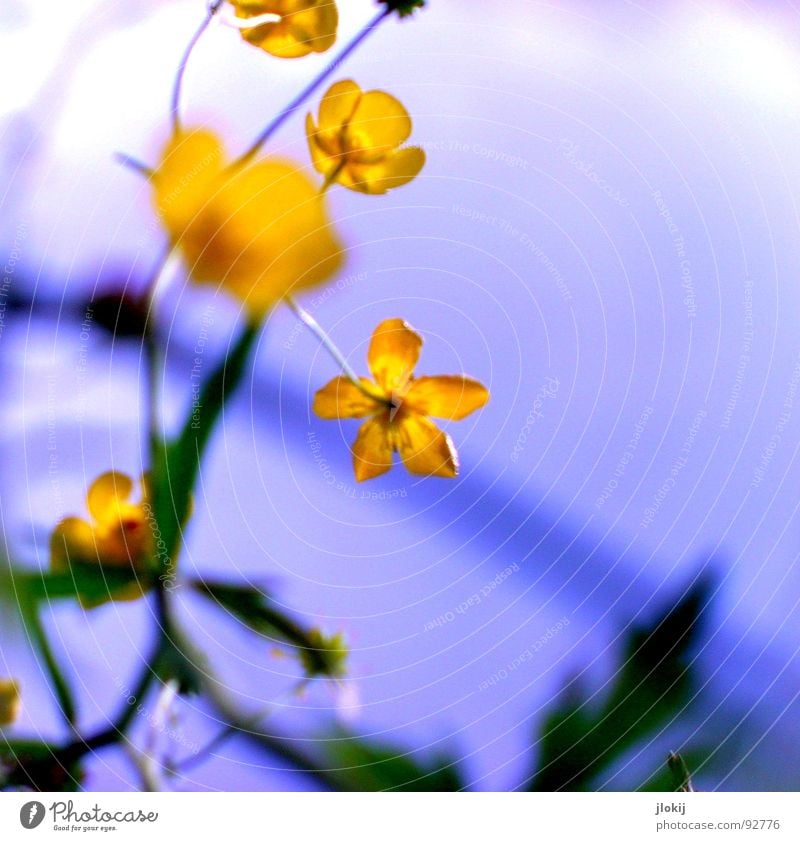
{"type": "Point", "coordinates": [259, 231]}
{"type": "Point", "coordinates": [358, 137]}
{"type": "Point", "coordinates": [9, 701]}
{"type": "Point", "coordinates": [398, 406]}
{"type": "Point", "coordinates": [304, 26]}
{"type": "Point", "coordinates": [119, 534]}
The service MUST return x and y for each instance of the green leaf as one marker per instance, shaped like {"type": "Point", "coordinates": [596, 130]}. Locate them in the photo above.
{"type": "Point", "coordinates": [653, 684]}
{"type": "Point", "coordinates": [357, 764]}
{"type": "Point", "coordinates": [91, 583]}
{"type": "Point", "coordinates": [176, 463]}
{"type": "Point", "coordinates": [320, 655]}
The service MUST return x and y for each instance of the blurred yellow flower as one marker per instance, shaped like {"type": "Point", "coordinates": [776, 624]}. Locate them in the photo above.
{"type": "Point", "coordinates": [9, 701]}
{"type": "Point", "coordinates": [260, 231]}
{"type": "Point", "coordinates": [358, 137]}
{"type": "Point", "coordinates": [398, 405]}
{"type": "Point", "coordinates": [301, 26]}
{"type": "Point", "coordinates": [119, 534]}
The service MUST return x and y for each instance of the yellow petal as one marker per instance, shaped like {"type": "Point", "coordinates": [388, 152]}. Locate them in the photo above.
{"type": "Point", "coordinates": [324, 161]}
{"type": "Point", "coordinates": [379, 124]}
{"type": "Point", "coordinates": [372, 450]}
{"type": "Point", "coordinates": [338, 105]}
{"type": "Point", "coordinates": [9, 701]}
{"type": "Point", "coordinates": [106, 494]}
{"type": "Point", "coordinates": [276, 237]}
{"type": "Point", "coordinates": [452, 397]}
{"type": "Point", "coordinates": [306, 26]}
{"type": "Point", "coordinates": [393, 170]}
{"type": "Point", "coordinates": [341, 399]}
{"type": "Point", "coordinates": [72, 541]}
{"type": "Point", "coordinates": [259, 231]}
{"type": "Point", "coordinates": [393, 354]}
{"type": "Point", "coordinates": [186, 178]}
{"type": "Point", "coordinates": [424, 448]}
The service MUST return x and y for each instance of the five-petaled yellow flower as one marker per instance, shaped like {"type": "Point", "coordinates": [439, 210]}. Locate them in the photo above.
{"type": "Point", "coordinates": [398, 406]}
{"type": "Point", "coordinates": [302, 27]}
{"type": "Point", "coordinates": [9, 701]}
{"type": "Point", "coordinates": [119, 534]}
{"type": "Point", "coordinates": [358, 137]}
{"type": "Point", "coordinates": [260, 231]}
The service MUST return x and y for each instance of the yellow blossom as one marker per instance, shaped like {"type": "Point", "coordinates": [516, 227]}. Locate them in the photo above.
{"type": "Point", "coordinates": [118, 535]}
{"type": "Point", "coordinates": [9, 701]}
{"type": "Point", "coordinates": [260, 231]}
{"type": "Point", "coordinates": [302, 26]}
{"type": "Point", "coordinates": [358, 137]}
{"type": "Point", "coordinates": [398, 406]}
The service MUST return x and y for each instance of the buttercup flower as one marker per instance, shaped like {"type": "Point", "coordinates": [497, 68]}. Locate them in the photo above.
{"type": "Point", "coordinates": [398, 406]}
{"type": "Point", "coordinates": [260, 231]}
{"type": "Point", "coordinates": [119, 534]}
{"type": "Point", "coordinates": [9, 701]}
{"type": "Point", "coordinates": [358, 137]}
{"type": "Point", "coordinates": [303, 26]}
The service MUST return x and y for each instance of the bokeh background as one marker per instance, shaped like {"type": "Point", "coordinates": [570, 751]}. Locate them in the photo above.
{"type": "Point", "coordinates": [605, 233]}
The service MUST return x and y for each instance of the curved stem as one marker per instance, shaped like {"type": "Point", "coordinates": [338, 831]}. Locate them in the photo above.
{"type": "Point", "coordinates": [178, 83]}
{"type": "Point", "coordinates": [327, 342]}
{"type": "Point", "coordinates": [115, 732]}
{"type": "Point", "coordinates": [230, 730]}
{"type": "Point", "coordinates": [311, 87]}
{"type": "Point", "coordinates": [66, 704]}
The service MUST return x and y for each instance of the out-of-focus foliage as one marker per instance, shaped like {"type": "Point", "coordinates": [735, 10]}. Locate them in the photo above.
{"type": "Point", "coordinates": [654, 681]}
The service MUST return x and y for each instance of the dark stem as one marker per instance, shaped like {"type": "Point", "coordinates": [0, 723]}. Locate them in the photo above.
{"type": "Point", "coordinates": [66, 704]}
{"type": "Point", "coordinates": [311, 87]}
{"type": "Point", "coordinates": [115, 732]}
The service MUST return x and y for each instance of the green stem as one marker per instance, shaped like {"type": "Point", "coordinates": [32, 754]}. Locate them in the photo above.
{"type": "Point", "coordinates": [681, 777]}
{"type": "Point", "coordinates": [177, 463]}
{"type": "Point", "coordinates": [311, 87]}
{"type": "Point", "coordinates": [114, 733]}
{"type": "Point", "coordinates": [66, 703]}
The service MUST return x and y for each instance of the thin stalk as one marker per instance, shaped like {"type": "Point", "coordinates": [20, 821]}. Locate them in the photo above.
{"type": "Point", "coordinates": [153, 358]}
{"type": "Point", "coordinates": [205, 753]}
{"type": "Point", "coordinates": [327, 342]}
{"type": "Point", "coordinates": [177, 86]}
{"type": "Point", "coordinates": [66, 703]}
{"type": "Point", "coordinates": [115, 732]}
{"type": "Point", "coordinates": [311, 87]}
